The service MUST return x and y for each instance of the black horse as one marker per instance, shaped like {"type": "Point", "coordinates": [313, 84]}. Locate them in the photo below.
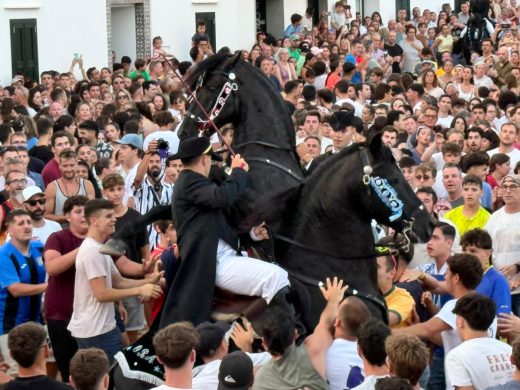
{"type": "Point", "coordinates": [326, 229]}
{"type": "Point", "coordinates": [324, 221]}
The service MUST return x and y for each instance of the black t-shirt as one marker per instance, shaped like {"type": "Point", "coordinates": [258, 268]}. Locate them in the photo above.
{"type": "Point", "coordinates": [38, 382]}
{"type": "Point", "coordinates": [44, 153]}
{"type": "Point", "coordinates": [35, 164]}
{"type": "Point", "coordinates": [136, 241]}
{"type": "Point", "coordinates": [394, 51]}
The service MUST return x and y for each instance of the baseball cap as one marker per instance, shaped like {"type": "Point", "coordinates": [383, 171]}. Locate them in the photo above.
{"type": "Point", "coordinates": [211, 335]}
{"type": "Point", "coordinates": [316, 50]}
{"type": "Point", "coordinates": [235, 372]}
{"type": "Point", "coordinates": [30, 191]}
{"type": "Point", "coordinates": [514, 178]}
{"type": "Point", "coordinates": [131, 139]}
{"type": "Point", "coordinates": [294, 37]}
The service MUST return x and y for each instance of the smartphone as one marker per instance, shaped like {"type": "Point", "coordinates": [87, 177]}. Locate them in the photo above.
{"type": "Point", "coordinates": [76, 56]}
{"type": "Point", "coordinates": [385, 53]}
{"type": "Point", "coordinates": [505, 25]}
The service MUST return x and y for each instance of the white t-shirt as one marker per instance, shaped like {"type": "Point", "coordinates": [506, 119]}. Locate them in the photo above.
{"type": "Point", "coordinates": [129, 182]}
{"type": "Point", "coordinates": [90, 317]}
{"type": "Point", "coordinates": [358, 107]}
{"type": "Point", "coordinates": [445, 122]}
{"type": "Point", "coordinates": [206, 376]}
{"type": "Point", "coordinates": [450, 338]}
{"type": "Point", "coordinates": [480, 362]}
{"type": "Point", "coordinates": [171, 137]}
{"type": "Point", "coordinates": [370, 382]}
{"type": "Point", "coordinates": [343, 365]}
{"type": "Point", "coordinates": [504, 229]}
{"type": "Point", "coordinates": [514, 157]}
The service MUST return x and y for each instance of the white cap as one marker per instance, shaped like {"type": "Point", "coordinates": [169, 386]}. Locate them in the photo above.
{"type": "Point", "coordinates": [30, 191]}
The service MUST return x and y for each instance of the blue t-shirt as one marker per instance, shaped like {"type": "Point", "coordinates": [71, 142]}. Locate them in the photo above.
{"type": "Point", "coordinates": [357, 76]}
{"type": "Point", "coordinates": [495, 286]}
{"type": "Point", "coordinates": [17, 268]}
{"type": "Point", "coordinates": [486, 199]}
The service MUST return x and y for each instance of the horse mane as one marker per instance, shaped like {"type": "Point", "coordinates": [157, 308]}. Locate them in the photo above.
{"type": "Point", "coordinates": [206, 66]}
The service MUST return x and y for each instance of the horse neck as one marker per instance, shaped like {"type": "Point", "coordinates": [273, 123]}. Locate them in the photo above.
{"type": "Point", "coordinates": [323, 218]}
{"type": "Point", "coordinates": [263, 116]}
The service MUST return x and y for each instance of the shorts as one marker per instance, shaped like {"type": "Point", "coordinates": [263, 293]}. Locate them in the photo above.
{"type": "Point", "coordinates": [136, 319]}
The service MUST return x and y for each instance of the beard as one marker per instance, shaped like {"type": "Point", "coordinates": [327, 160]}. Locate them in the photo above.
{"type": "Point", "coordinates": [154, 173]}
{"type": "Point", "coordinates": [18, 195]}
{"type": "Point", "coordinates": [36, 215]}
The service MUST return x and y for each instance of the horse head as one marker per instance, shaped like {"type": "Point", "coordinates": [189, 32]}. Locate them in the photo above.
{"type": "Point", "coordinates": [214, 81]}
{"type": "Point", "coordinates": [390, 199]}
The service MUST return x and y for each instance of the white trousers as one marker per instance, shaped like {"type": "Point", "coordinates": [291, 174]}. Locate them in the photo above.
{"type": "Point", "coordinates": [247, 276]}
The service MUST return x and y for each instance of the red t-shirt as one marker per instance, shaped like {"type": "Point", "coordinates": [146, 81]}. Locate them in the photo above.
{"type": "Point", "coordinates": [51, 171]}
{"type": "Point", "coordinates": [59, 296]}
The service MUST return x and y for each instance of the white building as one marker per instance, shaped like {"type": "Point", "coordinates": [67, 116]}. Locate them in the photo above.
{"type": "Point", "coordinates": [45, 34]}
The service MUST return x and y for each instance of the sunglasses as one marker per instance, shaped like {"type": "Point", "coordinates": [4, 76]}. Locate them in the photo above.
{"type": "Point", "coordinates": [33, 203]}
{"type": "Point", "coordinates": [421, 177]}
{"type": "Point", "coordinates": [122, 97]}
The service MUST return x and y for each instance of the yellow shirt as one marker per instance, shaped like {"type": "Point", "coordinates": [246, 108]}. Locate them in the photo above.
{"type": "Point", "coordinates": [464, 223]}
{"type": "Point", "coordinates": [401, 303]}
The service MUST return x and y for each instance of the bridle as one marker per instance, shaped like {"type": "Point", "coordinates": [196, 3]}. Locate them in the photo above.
{"type": "Point", "coordinates": [224, 95]}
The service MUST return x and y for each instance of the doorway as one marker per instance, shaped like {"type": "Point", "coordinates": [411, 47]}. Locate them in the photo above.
{"type": "Point", "coordinates": [209, 19]}
{"type": "Point", "coordinates": [24, 47]}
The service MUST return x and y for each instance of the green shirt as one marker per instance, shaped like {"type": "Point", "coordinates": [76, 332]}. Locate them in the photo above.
{"type": "Point", "coordinates": [133, 74]}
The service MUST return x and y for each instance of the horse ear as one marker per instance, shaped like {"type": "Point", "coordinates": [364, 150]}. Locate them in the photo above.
{"type": "Point", "coordinates": [237, 57]}
{"type": "Point", "coordinates": [375, 142]}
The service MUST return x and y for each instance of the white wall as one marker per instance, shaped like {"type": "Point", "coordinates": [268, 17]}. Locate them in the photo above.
{"type": "Point", "coordinates": [64, 27]}
{"type": "Point", "coordinates": [174, 21]}
{"type": "Point", "coordinates": [123, 32]}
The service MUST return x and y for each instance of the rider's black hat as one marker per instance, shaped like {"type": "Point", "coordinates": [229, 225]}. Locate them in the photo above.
{"type": "Point", "coordinates": [341, 119]}
{"type": "Point", "coordinates": [193, 147]}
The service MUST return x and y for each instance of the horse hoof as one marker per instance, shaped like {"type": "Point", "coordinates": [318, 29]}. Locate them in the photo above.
{"type": "Point", "coordinates": [113, 247]}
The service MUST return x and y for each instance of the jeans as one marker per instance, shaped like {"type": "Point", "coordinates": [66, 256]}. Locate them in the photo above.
{"type": "Point", "coordinates": [437, 379]}
{"type": "Point", "coordinates": [110, 342]}
{"type": "Point", "coordinates": [63, 345]}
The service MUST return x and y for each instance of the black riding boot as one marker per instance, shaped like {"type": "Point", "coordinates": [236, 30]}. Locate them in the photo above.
{"type": "Point", "coordinates": [284, 300]}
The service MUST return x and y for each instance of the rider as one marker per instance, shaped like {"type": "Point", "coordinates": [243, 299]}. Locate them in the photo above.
{"type": "Point", "coordinates": [209, 245]}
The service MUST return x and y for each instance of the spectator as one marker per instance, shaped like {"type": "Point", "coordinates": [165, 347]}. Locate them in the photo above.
{"type": "Point", "coordinates": [236, 372]}
{"type": "Point", "coordinates": [371, 347]}
{"type": "Point", "coordinates": [59, 142]}
{"type": "Point", "coordinates": [343, 352]}
{"type": "Point", "coordinates": [34, 204]}
{"type": "Point", "coordinates": [507, 136]}
{"type": "Point", "coordinates": [22, 277]}
{"type": "Point", "coordinates": [503, 227]}
{"type": "Point", "coordinates": [471, 214]}
{"type": "Point", "coordinates": [98, 284]}
{"type": "Point", "coordinates": [28, 347]}
{"type": "Point", "coordinates": [89, 370]}
{"type": "Point", "coordinates": [478, 242]}
{"type": "Point", "coordinates": [303, 365]}
{"type": "Point", "coordinates": [468, 364]}
{"type": "Point", "coordinates": [407, 357]}
{"type": "Point", "coordinates": [175, 350]}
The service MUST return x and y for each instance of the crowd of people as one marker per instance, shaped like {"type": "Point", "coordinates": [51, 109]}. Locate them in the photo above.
{"type": "Point", "coordinates": [86, 152]}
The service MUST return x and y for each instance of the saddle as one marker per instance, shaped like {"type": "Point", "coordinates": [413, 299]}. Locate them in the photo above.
{"type": "Point", "coordinates": [228, 306]}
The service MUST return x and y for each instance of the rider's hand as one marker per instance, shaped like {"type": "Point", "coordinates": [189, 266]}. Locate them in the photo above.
{"type": "Point", "coordinates": [238, 162]}
{"type": "Point", "coordinates": [260, 232]}
{"type": "Point", "coordinates": [333, 291]}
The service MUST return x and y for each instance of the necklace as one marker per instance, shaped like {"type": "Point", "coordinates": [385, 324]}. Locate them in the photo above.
{"type": "Point", "coordinates": [66, 192]}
